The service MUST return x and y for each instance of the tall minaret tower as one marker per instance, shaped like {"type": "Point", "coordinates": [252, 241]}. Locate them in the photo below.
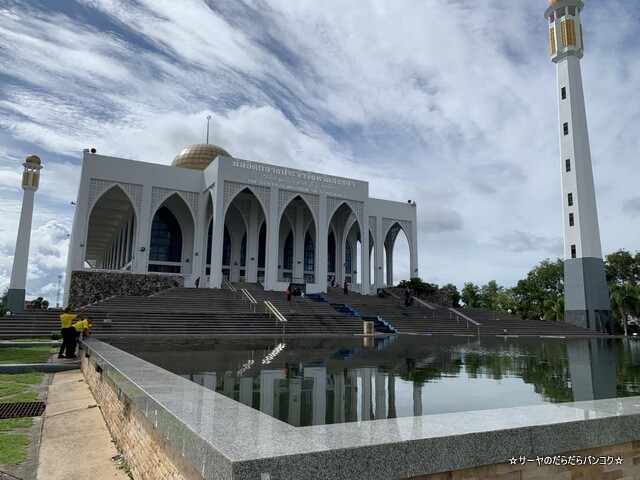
{"type": "Point", "coordinates": [586, 295]}
{"type": "Point", "coordinates": [18, 285]}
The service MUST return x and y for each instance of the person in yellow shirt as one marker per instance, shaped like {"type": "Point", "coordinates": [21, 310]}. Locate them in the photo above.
{"type": "Point", "coordinates": [68, 334]}
{"type": "Point", "coordinates": [83, 328]}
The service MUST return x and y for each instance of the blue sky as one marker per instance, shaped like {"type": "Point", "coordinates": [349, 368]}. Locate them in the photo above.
{"type": "Point", "coordinates": [448, 103]}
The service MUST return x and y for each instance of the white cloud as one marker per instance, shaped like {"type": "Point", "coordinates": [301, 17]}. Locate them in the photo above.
{"type": "Point", "coordinates": [435, 101]}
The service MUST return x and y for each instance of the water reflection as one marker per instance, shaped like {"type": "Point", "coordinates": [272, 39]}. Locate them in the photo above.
{"type": "Point", "coordinates": [319, 380]}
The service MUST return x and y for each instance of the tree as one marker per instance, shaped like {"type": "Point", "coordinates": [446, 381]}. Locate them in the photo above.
{"type": "Point", "coordinates": [625, 302]}
{"type": "Point", "coordinates": [419, 286]}
{"type": "Point", "coordinates": [554, 309]}
{"type": "Point", "coordinates": [469, 295]}
{"type": "Point", "coordinates": [544, 282]}
{"type": "Point", "coordinates": [3, 305]}
{"type": "Point", "coordinates": [506, 302]}
{"type": "Point", "coordinates": [40, 304]}
{"type": "Point", "coordinates": [452, 291]}
{"type": "Point", "coordinates": [622, 266]}
{"type": "Point", "coordinates": [488, 295]}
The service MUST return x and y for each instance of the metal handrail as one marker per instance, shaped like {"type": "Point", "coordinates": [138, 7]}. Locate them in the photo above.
{"type": "Point", "coordinates": [391, 294]}
{"type": "Point", "coordinates": [273, 310]}
{"type": "Point", "coordinates": [228, 284]}
{"type": "Point", "coordinates": [249, 298]}
{"type": "Point", "coordinates": [468, 319]}
{"type": "Point", "coordinates": [424, 304]}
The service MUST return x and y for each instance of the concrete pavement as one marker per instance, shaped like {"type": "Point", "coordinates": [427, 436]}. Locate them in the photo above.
{"type": "Point", "coordinates": [75, 443]}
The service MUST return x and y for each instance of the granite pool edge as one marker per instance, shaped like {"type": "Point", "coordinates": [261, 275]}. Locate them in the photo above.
{"type": "Point", "coordinates": [224, 439]}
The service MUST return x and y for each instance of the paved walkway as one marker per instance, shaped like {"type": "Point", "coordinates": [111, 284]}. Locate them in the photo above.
{"type": "Point", "coordinates": [75, 443]}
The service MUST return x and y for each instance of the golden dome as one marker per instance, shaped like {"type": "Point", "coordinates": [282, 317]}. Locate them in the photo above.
{"type": "Point", "coordinates": [33, 159]}
{"type": "Point", "coordinates": [198, 156]}
{"type": "Point", "coordinates": [553, 2]}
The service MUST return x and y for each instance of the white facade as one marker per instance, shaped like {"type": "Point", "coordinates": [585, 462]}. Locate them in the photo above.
{"type": "Point", "coordinates": [236, 219]}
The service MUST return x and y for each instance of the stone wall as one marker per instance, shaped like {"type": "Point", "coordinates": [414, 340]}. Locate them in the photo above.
{"type": "Point", "coordinates": [89, 287]}
{"type": "Point", "coordinates": [146, 450]}
{"type": "Point", "coordinates": [614, 461]}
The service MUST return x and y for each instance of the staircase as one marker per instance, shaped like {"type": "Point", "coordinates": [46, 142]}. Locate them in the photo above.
{"type": "Point", "coordinates": [422, 320]}
{"type": "Point", "coordinates": [191, 311]}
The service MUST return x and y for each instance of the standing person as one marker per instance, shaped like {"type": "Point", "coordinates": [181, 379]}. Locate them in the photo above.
{"type": "Point", "coordinates": [287, 292]}
{"type": "Point", "coordinates": [68, 333]}
{"type": "Point", "coordinates": [333, 281]}
{"type": "Point", "coordinates": [407, 297]}
{"type": "Point", "coordinates": [346, 287]}
{"type": "Point", "coordinates": [198, 282]}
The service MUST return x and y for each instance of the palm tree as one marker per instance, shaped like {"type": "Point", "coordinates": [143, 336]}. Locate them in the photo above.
{"type": "Point", "coordinates": [625, 301]}
{"type": "Point", "coordinates": [40, 304]}
{"type": "Point", "coordinates": [554, 309]}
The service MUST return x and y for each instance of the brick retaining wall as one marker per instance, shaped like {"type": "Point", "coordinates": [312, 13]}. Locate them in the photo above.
{"type": "Point", "coordinates": [148, 453]}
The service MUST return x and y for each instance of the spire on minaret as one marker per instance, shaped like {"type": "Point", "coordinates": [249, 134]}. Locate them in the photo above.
{"type": "Point", "coordinates": [18, 284]}
{"type": "Point", "coordinates": [586, 293]}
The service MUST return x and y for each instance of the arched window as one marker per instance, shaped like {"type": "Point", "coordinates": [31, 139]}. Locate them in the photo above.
{"type": "Point", "coordinates": [243, 251]}
{"type": "Point", "coordinates": [309, 254]}
{"type": "Point", "coordinates": [166, 242]}
{"type": "Point", "coordinates": [209, 240]}
{"type": "Point", "coordinates": [262, 245]}
{"type": "Point", "coordinates": [226, 247]}
{"type": "Point", "coordinates": [287, 260]}
{"type": "Point", "coordinates": [331, 253]}
{"type": "Point", "coordinates": [347, 257]}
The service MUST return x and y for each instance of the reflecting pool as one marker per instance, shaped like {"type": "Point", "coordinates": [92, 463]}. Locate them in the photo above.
{"type": "Point", "coordinates": [314, 381]}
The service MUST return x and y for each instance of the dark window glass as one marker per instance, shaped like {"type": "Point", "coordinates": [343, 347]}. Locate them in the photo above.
{"type": "Point", "coordinates": [347, 257]}
{"type": "Point", "coordinates": [571, 219]}
{"type": "Point", "coordinates": [262, 245]}
{"type": "Point", "coordinates": [567, 165]}
{"type": "Point", "coordinates": [565, 128]}
{"type": "Point", "coordinates": [573, 251]}
{"type": "Point", "coordinates": [287, 261]}
{"type": "Point", "coordinates": [309, 254]}
{"type": "Point", "coordinates": [164, 268]}
{"type": "Point", "coordinates": [331, 253]}
{"type": "Point", "coordinates": [226, 247]}
{"type": "Point", "coordinates": [563, 92]}
{"type": "Point", "coordinates": [570, 199]}
{"type": "Point", "coordinates": [209, 240]}
{"type": "Point", "coordinates": [166, 237]}
{"type": "Point", "coordinates": [243, 251]}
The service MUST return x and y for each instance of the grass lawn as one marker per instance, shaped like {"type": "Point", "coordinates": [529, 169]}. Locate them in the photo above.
{"type": "Point", "coordinates": [8, 424]}
{"type": "Point", "coordinates": [15, 388]}
{"type": "Point", "coordinates": [25, 354]}
{"type": "Point", "coordinates": [13, 447]}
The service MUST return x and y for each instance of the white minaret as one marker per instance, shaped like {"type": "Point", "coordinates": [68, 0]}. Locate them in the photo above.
{"type": "Point", "coordinates": [586, 294]}
{"type": "Point", "coordinates": [30, 183]}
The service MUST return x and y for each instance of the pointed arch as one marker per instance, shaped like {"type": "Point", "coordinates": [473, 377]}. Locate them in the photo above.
{"type": "Point", "coordinates": [112, 230]}
{"type": "Point", "coordinates": [233, 189]}
{"type": "Point", "coordinates": [285, 197]}
{"type": "Point", "coordinates": [390, 250]}
{"type": "Point", "coordinates": [172, 219]}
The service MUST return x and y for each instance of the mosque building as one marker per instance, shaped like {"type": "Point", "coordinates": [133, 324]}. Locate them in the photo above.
{"type": "Point", "coordinates": [211, 217]}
